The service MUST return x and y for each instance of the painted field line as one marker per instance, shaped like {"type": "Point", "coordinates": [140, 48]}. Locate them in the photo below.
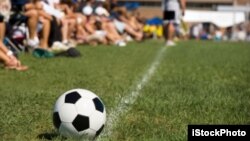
{"type": "Point", "coordinates": [128, 100]}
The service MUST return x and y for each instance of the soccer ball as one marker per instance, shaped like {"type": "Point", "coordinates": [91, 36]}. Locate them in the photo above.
{"type": "Point", "coordinates": [79, 114]}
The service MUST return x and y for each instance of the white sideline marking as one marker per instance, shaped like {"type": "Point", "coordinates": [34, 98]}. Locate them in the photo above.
{"type": "Point", "coordinates": [124, 106]}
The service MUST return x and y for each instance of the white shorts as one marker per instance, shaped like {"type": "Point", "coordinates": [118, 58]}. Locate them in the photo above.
{"type": "Point", "coordinates": [172, 6]}
{"type": "Point", "coordinates": [52, 11]}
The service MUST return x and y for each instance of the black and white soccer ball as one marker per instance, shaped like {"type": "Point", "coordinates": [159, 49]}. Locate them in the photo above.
{"type": "Point", "coordinates": [79, 114]}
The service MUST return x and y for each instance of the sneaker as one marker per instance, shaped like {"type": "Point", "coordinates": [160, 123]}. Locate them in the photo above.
{"type": "Point", "coordinates": [69, 43]}
{"type": "Point", "coordinates": [129, 38]}
{"type": "Point", "coordinates": [170, 43]}
{"type": "Point", "coordinates": [58, 46]}
{"type": "Point", "coordinates": [120, 43]}
{"type": "Point", "coordinates": [33, 42]}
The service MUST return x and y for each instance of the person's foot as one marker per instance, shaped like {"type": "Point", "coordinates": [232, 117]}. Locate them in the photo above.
{"type": "Point", "coordinates": [57, 46]}
{"type": "Point", "coordinates": [170, 43]}
{"type": "Point", "coordinates": [34, 43]}
{"type": "Point", "coordinates": [15, 65]}
{"type": "Point", "coordinates": [121, 43]}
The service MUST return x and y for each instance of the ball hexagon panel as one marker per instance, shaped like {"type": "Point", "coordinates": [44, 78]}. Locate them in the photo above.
{"type": "Point", "coordinates": [97, 119]}
{"type": "Point", "coordinates": [86, 94]}
{"type": "Point", "coordinates": [85, 107]}
{"type": "Point", "coordinates": [81, 123]}
{"type": "Point", "coordinates": [67, 112]}
{"type": "Point", "coordinates": [72, 97]}
{"type": "Point", "coordinates": [98, 104]}
{"type": "Point", "coordinates": [56, 120]}
{"type": "Point", "coordinates": [98, 132]}
{"type": "Point", "coordinates": [68, 130]}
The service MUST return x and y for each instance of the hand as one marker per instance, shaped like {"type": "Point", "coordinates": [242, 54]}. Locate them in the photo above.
{"type": "Point", "coordinates": [183, 12]}
{"type": "Point", "coordinates": [14, 59]}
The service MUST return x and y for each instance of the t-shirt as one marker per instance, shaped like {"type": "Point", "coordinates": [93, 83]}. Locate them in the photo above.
{"type": "Point", "coordinates": [170, 5]}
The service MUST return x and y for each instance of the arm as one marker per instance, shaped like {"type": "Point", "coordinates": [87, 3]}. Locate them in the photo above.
{"type": "Point", "coordinates": [183, 6]}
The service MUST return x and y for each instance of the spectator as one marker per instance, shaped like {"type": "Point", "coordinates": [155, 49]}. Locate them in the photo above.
{"type": "Point", "coordinates": [43, 22]}
{"type": "Point", "coordinates": [172, 12]}
{"type": "Point", "coordinates": [108, 26]}
{"type": "Point", "coordinates": [196, 31]}
{"type": "Point", "coordinates": [6, 55]}
{"type": "Point", "coordinates": [122, 24]}
{"type": "Point", "coordinates": [241, 33]}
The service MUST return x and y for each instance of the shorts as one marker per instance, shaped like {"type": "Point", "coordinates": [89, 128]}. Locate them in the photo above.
{"type": "Point", "coordinates": [171, 12]}
{"type": "Point", "coordinates": [52, 11]}
{"type": "Point", "coordinates": [1, 18]}
{"type": "Point", "coordinates": [120, 26]}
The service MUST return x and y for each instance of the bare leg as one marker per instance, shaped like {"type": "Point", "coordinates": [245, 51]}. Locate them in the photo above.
{"type": "Point", "coordinates": [3, 48]}
{"type": "Point", "coordinates": [64, 29]}
{"type": "Point", "coordinates": [170, 35]}
{"type": "Point", "coordinates": [72, 26]}
{"type": "Point", "coordinates": [10, 61]}
{"type": "Point", "coordinates": [110, 28]}
{"type": "Point", "coordinates": [138, 35]}
{"type": "Point", "coordinates": [45, 33]}
{"type": "Point", "coordinates": [32, 22]}
{"type": "Point", "coordinates": [4, 57]}
{"type": "Point", "coordinates": [2, 31]}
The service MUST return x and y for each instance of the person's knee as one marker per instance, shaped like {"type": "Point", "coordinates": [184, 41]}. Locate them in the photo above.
{"type": "Point", "coordinates": [31, 13]}
{"type": "Point", "coordinates": [29, 6]}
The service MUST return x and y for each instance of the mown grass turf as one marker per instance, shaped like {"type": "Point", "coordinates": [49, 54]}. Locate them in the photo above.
{"type": "Point", "coordinates": [196, 82]}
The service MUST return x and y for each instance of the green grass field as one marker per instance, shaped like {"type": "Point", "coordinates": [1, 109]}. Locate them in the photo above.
{"type": "Point", "coordinates": [194, 83]}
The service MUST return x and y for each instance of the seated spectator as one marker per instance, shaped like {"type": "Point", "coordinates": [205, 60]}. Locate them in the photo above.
{"type": "Point", "coordinates": [128, 19]}
{"type": "Point", "coordinates": [43, 21]}
{"type": "Point", "coordinates": [48, 13]}
{"type": "Point", "coordinates": [108, 26]}
{"type": "Point", "coordinates": [93, 29]}
{"type": "Point", "coordinates": [98, 26]}
{"type": "Point", "coordinates": [6, 55]}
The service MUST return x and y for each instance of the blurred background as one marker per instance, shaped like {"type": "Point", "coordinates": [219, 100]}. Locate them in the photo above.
{"type": "Point", "coordinates": [203, 20]}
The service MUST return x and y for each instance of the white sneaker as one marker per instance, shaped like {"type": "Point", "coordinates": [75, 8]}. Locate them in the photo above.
{"type": "Point", "coordinates": [58, 46]}
{"type": "Point", "coordinates": [129, 38]}
{"type": "Point", "coordinates": [170, 43]}
{"type": "Point", "coordinates": [121, 44]}
{"type": "Point", "coordinates": [33, 42]}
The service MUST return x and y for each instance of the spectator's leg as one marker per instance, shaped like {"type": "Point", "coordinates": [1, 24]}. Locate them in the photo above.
{"type": "Point", "coordinates": [2, 31]}
{"type": "Point", "coordinates": [65, 29]}
{"type": "Point", "coordinates": [4, 57]}
{"type": "Point", "coordinates": [10, 61]}
{"type": "Point", "coordinates": [32, 22]}
{"type": "Point", "coordinates": [3, 48]}
{"type": "Point", "coordinates": [72, 27]}
{"type": "Point", "coordinates": [137, 35]}
{"type": "Point", "coordinates": [45, 33]}
{"type": "Point", "coordinates": [67, 25]}
{"type": "Point", "coordinates": [110, 28]}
